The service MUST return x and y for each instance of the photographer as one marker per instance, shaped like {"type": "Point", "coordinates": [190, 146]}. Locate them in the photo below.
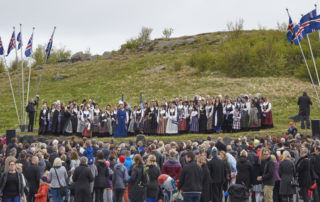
{"type": "Point", "coordinates": [30, 109]}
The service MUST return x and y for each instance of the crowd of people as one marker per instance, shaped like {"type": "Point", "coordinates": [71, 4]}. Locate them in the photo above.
{"type": "Point", "coordinates": [199, 115]}
{"type": "Point", "coordinates": [86, 169]}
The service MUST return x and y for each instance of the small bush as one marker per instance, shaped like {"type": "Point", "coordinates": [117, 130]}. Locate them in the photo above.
{"type": "Point", "coordinates": [145, 35]}
{"type": "Point", "coordinates": [14, 67]}
{"type": "Point", "coordinates": [131, 44]}
{"type": "Point", "coordinates": [202, 60]}
{"type": "Point", "coordinates": [167, 32]}
{"type": "Point", "coordinates": [177, 65]}
{"type": "Point", "coordinates": [56, 55]}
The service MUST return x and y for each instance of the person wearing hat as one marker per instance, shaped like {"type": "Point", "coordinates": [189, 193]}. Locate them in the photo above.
{"type": "Point", "coordinates": [119, 179]}
{"type": "Point", "coordinates": [42, 194]}
{"type": "Point", "coordinates": [217, 172]}
{"type": "Point", "coordinates": [121, 119]}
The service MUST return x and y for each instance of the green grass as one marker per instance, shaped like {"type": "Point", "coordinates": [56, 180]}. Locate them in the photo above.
{"type": "Point", "coordinates": [105, 80]}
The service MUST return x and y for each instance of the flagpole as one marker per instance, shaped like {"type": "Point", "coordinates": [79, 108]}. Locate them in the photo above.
{"type": "Point", "coordinates": [22, 79]}
{"type": "Point", "coordinates": [16, 50]}
{"type": "Point", "coordinates": [44, 65]}
{"type": "Point", "coordinates": [309, 72]}
{"type": "Point", "coordinates": [12, 92]}
{"type": "Point", "coordinates": [29, 77]}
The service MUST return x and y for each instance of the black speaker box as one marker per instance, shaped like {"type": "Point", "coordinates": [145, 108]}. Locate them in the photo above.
{"type": "Point", "coordinates": [10, 134]}
{"type": "Point", "coordinates": [315, 126]}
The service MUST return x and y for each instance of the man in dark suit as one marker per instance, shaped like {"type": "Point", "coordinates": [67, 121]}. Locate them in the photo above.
{"type": "Point", "coordinates": [30, 109]}
{"type": "Point", "coordinates": [304, 103]}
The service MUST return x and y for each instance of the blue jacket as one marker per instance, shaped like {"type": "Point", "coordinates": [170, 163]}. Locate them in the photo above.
{"type": "Point", "coordinates": [128, 163]}
{"type": "Point", "coordinates": [88, 152]}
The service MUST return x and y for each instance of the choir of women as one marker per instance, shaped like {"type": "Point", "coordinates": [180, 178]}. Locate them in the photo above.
{"type": "Point", "coordinates": [199, 115]}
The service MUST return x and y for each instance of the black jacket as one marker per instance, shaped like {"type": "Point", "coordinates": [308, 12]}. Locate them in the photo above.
{"type": "Point", "coordinates": [206, 184]}
{"type": "Point", "coordinates": [33, 178]}
{"type": "Point", "coordinates": [268, 173]}
{"type": "Point", "coordinates": [244, 169]}
{"type": "Point", "coordinates": [303, 169]}
{"type": "Point", "coordinates": [153, 186]}
{"type": "Point", "coordinates": [103, 172]}
{"type": "Point", "coordinates": [82, 177]}
{"type": "Point", "coordinates": [138, 189]}
{"type": "Point", "coordinates": [191, 178]}
{"type": "Point", "coordinates": [3, 182]}
{"type": "Point", "coordinates": [217, 168]}
{"type": "Point", "coordinates": [304, 103]}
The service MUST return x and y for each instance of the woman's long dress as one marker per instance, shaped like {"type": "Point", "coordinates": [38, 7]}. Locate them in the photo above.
{"type": "Point", "coordinates": [194, 126]}
{"type": "Point", "coordinates": [217, 117]}
{"type": "Point", "coordinates": [67, 128]}
{"type": "Point", "coordinates": [120, 127]}
{"type": "Point", "coordinates": [228, 118]}
{"type": "Point", "coordinates": [172, 123]}
{"type": "Point", "coordinates": [80, 124]}
{"type": "Point", "coordinates": [95, 122]}
{"type": "Point", "coordinates": [43, 121]}
{"type": "Point", "coordinates": [131, 122]}
{"type": "Point", "coordinates": [266, 116]}
{"type": "Point", "coordinates": [103, 126]}
{"type": "Point", "coordinates": [74, 120]}
{"type": "Point", "coordinates": [138, 124]}
{"type": "Point", "coordinates": [162, 122]}
{"type": "Point", "coordinates": [182, 127]}
{"type": "Point", "coordinates": [202, 120]}
{"type": "Point", "coordinates": [50, 130]}
{"type": "Point", "coordinates": [209, 113]}
{"type": "Point", "coordinates": [109, 122]}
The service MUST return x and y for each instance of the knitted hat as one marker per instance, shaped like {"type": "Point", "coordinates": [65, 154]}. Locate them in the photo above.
{"type": "Point", "coordinates": [122, 159]}
{"type": "Point", "coordinates": [214, 151]}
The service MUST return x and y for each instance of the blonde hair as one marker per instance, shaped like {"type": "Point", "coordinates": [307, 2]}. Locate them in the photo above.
{"type": "Point", "coordinates": [202, 160]}
{"type": "Point", "coordinates": [244, 153]}
{"type": "Point", "coordinates": [19, 167]}
{"type": "Point", "coordinates": [57, 162]}
{"type": "Point", "coordinates": [286, 154]}
{"type": "Point", "coordinates": [273, 157]}
{"type": "Point", "coordinates": [152, 160]}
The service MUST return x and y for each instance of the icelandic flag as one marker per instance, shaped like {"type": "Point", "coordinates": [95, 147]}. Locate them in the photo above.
{"type": "Point", "coordinates": [1, 48]}
{"type": "Point", "coordinates": [299, 33]}
{"type": "Point", "coordinates": [305, 21]}
{"type": "Point", "coordinates": [49, 46]}
{"type": "Point", "coordinates": [29, 47]}
{"type": "Point", "coordinates": [19, 40]}
{"type": "Point", "coordinates": [290, 32]}
{"type": "Point", "coordinates": [12, 43]}
{"type": "Point", "coordinates": [315, 23]}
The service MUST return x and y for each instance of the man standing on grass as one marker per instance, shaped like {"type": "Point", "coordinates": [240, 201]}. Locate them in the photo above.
{"type": "Point", "coordinates": [304, 103]}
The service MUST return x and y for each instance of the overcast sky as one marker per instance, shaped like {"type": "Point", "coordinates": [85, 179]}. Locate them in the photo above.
{"type": "Point", "coordinates": [104, 25]}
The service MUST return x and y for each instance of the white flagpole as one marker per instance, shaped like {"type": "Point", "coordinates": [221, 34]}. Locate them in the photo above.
{"type": "Point", "coordinates": [314, 62]}
{"type": "Point", "coordinates": [12, 92]}
{"type": "Point", "coordinates": [16, 50]}
{"type": "Point", "coordinates": [22, 79]}
{"type": "Point", "coordinates": [25, 119]}
{"type": "Point", "coordinates": [315, 5]}
{"type": "Point", "coordinates": [44, 65]}
{"type": "Point", "coordinates": [309, 73]}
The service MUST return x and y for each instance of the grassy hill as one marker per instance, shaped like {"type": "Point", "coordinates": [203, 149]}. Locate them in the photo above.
{"type": "Point", "coordinates": [104, 78]}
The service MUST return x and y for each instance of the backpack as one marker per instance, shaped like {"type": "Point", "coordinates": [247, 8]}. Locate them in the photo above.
{"type": "Point", "coordinates": [145, 176]}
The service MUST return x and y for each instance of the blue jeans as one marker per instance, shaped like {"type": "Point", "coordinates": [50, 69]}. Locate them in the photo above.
{"type": "Point", "coordinates": [191, 197]}
{"type": "Point", "coordinates": [15, 199]}
{"type": "Point", "coordinates": [155, 199]}
{"type": "Point", "coordinates": [56, 195]}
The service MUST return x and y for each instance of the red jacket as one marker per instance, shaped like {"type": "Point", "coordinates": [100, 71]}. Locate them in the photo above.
{"type": "Point", "coordinates": [172, 168]}
{"type": "Point", "coordinates": [42, 194]}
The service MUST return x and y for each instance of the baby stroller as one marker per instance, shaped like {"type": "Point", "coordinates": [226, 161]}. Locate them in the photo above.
{"type": "Point", "coordinates": [238, 193]}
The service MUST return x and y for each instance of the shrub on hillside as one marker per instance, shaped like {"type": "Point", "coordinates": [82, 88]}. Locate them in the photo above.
{"type": "Point", "coordinates": [202, 59]}
{"type": "Point", "coordinates": [13, 65]}
{"type": "Point", "coordinates": [177, 65]}
{"type": "Point", "coordinates": [56, 55]}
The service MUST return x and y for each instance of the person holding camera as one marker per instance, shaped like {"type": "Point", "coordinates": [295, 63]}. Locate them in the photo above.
{"type": "Point", "coordinates": [30, 109]}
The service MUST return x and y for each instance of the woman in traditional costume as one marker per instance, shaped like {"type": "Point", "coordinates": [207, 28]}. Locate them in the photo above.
{"type": "Point", "coordinates": [95, 122]}
{"type": "Point", "coordinates": [81, 123]}
{"type": "Point", "coordinates": [182, 127]}
{"type": "Point", "coordinates": [236, 120]}
{"type": "Point", "coordinates": [43, 120]}
{"type": "Point", "coordinates": [74, 117]}
{"type": "Point", "coordinates": [202, 117]}
{"type": "Point", "coordinates": [109, 120]}
{"type": "Point", "coordinates": [172, 123]}
{"type": "Point", "coordinates": [50, 116]}
{"type": "Point", "coordinates": [67, 127]}
{"type": "Point", "coordinates": [253, 118]}
{"type": "Point", "coordinates": [103, 125]}
{"type": "Point", "coordinates": [266, 116]}
{"type": "Point", "coordinates": [138, 119]}
{"type": "Point", "coordinates": [194, 121]}
{"type": "Point", "coordinates": [162, 120]}
{"type": "Point", "coordinates": [121, 119]}
{"type": "Point", "coordinates": [228, 116]}
{"type": "Point", "coordinates": [209, 114]}
{"type": "Point", "coordinates": [217, 115]}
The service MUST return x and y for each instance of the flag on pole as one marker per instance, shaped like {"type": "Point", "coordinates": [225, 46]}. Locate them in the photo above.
{"type": "Point", "coordinates": [315, 23]}
{"type": "Point", "coordinates": [305, 21]}
{"type": "Point", "coordinates": [141, 98]}
{"type": "Point", "coordinates": [29, 47]}
{"type": "Point", "coordinates": [49, 46]}
{"type": "Point", "coordinates": [290, 32]}
{"type": "Point", "coordinates": [1, 47]}
{"type": "Point", "coordinates": [299, 33]}
{"type": "Point", "coordinates": [122, 97]}
{"type": "Point", "coordinates": [12, 43]}
{"type": "Point", "coordinates": [19, 40]}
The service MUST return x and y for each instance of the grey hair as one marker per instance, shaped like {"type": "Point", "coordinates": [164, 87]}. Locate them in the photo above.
{"type": "Point", "coordinates": [13, 151]}
{"type": "Point", "coordinates": [84, 160]}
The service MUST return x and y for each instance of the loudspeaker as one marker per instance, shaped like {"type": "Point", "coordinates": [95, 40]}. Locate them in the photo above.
{"type": "Point", "coordinates": [315, 126]}
{"type": "Point", "coordinates": [141, 138]}
{"type": "Point", "coordinates": [10, 134]}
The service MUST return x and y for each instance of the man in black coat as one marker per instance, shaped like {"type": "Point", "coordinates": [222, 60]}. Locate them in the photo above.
{"type": "Point", "coordinates": [217, 170]}
{"type": "Point", "coordinates": [304, 103]}
{"type": "Point", "coordinates": [268, 176]}
{"type": "Point", "coordinates": [33, 178]}
{"type": "Point", "coordinates": [303, 169]}
{"type": "Point", "coordinates": [190, 181]}
{"type": "Point", "coordinates": [82, 177]}
{"type": "Point", "coordinates": [30, 109]}
{"type": "Point", "coordinates": [315, 166]}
